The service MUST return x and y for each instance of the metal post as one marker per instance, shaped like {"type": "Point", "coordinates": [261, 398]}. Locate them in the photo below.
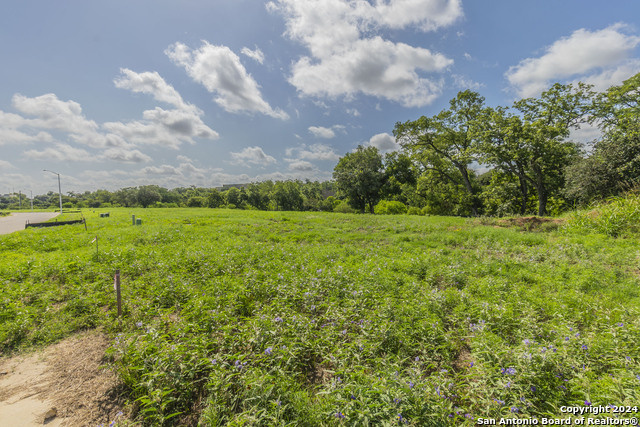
{"type": "Point", "coordinates": [59, 188]}
{"type": "Point", "coordinates": [60, 193]}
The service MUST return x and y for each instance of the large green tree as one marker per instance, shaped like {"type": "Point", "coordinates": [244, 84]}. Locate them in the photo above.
{"type": "Point", "coordinates": [547, 122]}
{"type": "Point", "coordinates": [444, 144]}
{"type": "Point", "coordinates": [360, 176]}
{"type": "Point", "coordinates": [613, 165]}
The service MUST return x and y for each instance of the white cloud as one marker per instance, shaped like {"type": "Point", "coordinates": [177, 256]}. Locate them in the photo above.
{"type": "Point", "coordinates": [252, 156]}
{"type": "Point", "coordinates": [165, 127]}
{"type": "Point", "coordinates": [300, 165]}
{"type": "Point", "coordinates": [343, 61]}
{"type": "Point", "coordinates": [125, 155]}
{"type": "Point", "coordinates": [322, 132]}
{"type": "Point", "coordinates": [602, 55]}
{"type": "Point", "coordinates": [313, 152]}
{"type": "Point", "coordinates": [61, 152]}
{"type": "Point", "coordinates": [161, 170]}
{"type": "Point", "coordinates": [150, 83]}
{"type": "Point", "coordinates": [256, 54]}
{"type": "Point", "coordinates": [6, 165]}
{"type": "Point", "coordinates": [220, 71]}
{"type": "Point", "coordinates": [384, 142]}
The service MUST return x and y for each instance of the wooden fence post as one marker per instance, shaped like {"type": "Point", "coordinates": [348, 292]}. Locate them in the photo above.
{"type": "Point", "coordinates": [116, 285]}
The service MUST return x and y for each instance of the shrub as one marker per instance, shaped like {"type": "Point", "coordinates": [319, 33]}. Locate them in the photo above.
{"type": "Point", "coordinates": [613, 217]}
{"type": "Point", "coordinates": [390, 207]}
{"type": "Point", "coordinates": [343, 207]}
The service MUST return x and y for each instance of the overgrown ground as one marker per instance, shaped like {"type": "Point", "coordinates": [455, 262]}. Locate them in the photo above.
{"type": "Point", "coordinates": [272, 318]}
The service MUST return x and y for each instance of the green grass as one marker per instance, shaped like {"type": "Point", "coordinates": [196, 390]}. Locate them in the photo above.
{"type": "Point", "coordinates": [288, 318]}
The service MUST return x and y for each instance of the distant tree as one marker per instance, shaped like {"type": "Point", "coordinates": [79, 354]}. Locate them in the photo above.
{"type": "Point", "coordinates": [234, 196]}
{"type": "Point", "coordinates": [259, 194]}
{"type": "Point", "coordinates": [360, 176]}
{"type": "Point", "coordinates": [147, 195]}
{"type": "Point", "coordinates": [215, 199]}
{"type": "Point", "coordinates": [288, 196]}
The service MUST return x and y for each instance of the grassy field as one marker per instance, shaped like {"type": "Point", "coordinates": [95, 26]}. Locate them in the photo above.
{"type": "Point", "coordinates": [284, 318]}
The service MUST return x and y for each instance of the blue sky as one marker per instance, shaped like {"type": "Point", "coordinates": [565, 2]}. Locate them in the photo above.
{"type": "Point", "coordinates": [179, 93]}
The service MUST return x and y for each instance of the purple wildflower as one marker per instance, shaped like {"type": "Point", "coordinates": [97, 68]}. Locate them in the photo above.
{"type": "Point", "coordinates": [268, 351]}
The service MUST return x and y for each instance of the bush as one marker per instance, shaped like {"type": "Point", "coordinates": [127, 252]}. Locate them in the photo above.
{"type": "Point", "coordinates": [343, 207]}
{"type": "Point", "coordinates": [614, 217]}
{"type": "Point", "coordinates": [415, 211]}
{"type": "Point", "coordinates": [390, 207]}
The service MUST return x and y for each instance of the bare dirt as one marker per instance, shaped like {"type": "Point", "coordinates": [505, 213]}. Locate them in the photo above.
{"type": "Point", "coordinates": [66, 384]}
{"type": "Point", "coordinates": [532, 223]}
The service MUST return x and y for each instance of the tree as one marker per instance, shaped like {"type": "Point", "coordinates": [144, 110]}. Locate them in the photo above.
{"type": "Point", "coordinates": [215, 199]}
{"type": "Point", "coordinates": [445, 144]}
{"type": "Point", "coordinates": [547, 122]}
{"type": "Point", "coordinates": [360, 176]}
{"type": "Point", "coordinates": [147, 195]}
{"type": "Point", "coordinates": [503, 144]}
{"type": "Point", "coordinates": [614, 163]}
{"type": "Point", "coordinates": [288, 196]}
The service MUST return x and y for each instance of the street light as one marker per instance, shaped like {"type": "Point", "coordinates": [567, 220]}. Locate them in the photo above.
{"type": "Point", "coordinates": [59, 188]}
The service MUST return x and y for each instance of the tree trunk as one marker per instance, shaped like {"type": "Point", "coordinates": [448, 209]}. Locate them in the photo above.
{"type": "Point", "coordinates": [542, 192]}
{"type": "Point", "coordinates": [467, 183]}
{"type": "Point", "coordinates": [524, 190]}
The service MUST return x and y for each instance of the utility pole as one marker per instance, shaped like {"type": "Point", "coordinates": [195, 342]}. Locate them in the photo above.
{"type": "Point", "coordinates": [31, 200]}
{"type": "Point", "coordinates": [59, 188]}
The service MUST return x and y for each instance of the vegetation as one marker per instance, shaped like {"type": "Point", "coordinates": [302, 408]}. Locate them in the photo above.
{"type": "Point", "coordinates": [270, 318]}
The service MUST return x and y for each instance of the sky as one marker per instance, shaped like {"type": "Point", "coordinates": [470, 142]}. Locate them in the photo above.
{"type": "Point", "coordinates": [116, 94]}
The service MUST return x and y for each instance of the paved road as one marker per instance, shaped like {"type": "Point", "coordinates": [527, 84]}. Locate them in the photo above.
{"type": "Point", "coordinates": [16, 221]}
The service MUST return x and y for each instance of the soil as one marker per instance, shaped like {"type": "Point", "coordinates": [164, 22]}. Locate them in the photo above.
{"type": "Point", "coordinates": [532, 223]}
{"type": "Point", "coordinates": [66, 384]}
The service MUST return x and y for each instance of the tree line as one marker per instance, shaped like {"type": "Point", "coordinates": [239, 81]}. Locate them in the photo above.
{"type": "Point", "coordinates": [266, 195]}
{"type": "Point", "coordinates": [532, 166]}
{"type": "Point", "coordinates": [467, 160]}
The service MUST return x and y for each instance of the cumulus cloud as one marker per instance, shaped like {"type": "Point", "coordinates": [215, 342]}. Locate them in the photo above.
{"type": "Point", "coordinates": [300, 165]}
{"type": "Point", "coordinates": [61, 152]}
{"type": "Point", "coordinates": [384, 142]}
{"type": "Point", "coordinates": [6, 165]}
{"type": "Point", "coordinates": [313, 152]}
{"type": "Point", "coordinates": [322, 132]}
{"type": "Point", "coordinates": [256, 54]}
{"type": "Point", "coordinates": [220, 71]}
{"type": "Point", "coordinates": [603, 56]}
{"type": "Point", "coordinates": [115, 141]}
{"type": "Point", "coordinates": [166, 127]}
{"type": "Point", "coordinates": [344, 60]}
{"type": "Point", "coordinates": [150, 83]}
{"type": "Point", "coordinates": [125, 155]}
{"type": "Point", "coordinates": [252, 156]}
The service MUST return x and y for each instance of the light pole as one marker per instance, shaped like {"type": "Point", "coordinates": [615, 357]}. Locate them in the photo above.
{"type": "Point", "coordinates": [59, 188]}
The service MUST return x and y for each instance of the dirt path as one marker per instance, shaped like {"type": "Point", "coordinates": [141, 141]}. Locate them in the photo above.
{"type": "Point", "coordinates": [16, 221]}
{"type": "Point", "coordinates": [64, 385]}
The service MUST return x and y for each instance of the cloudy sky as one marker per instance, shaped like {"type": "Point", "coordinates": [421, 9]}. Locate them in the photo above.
{"type": "Point", "coordinates": [209, 92]}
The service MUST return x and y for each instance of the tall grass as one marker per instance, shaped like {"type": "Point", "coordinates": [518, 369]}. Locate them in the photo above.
{"type": "Point", "coordinates": [317, 319]}
{"type": "Point", "coordinates": [613, 217]}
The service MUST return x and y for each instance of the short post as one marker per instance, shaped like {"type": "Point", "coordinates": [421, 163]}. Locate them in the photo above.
{"type": "Point", "coordinates": [133, 219]}
{"type": "Point", "coordinates": [116, 285]}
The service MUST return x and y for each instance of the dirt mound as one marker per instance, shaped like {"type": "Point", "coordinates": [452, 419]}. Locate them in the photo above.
{"type": "Point", "coordinates": [531, 223]}
{"type": "Point", "coordinates": [67, 384]}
